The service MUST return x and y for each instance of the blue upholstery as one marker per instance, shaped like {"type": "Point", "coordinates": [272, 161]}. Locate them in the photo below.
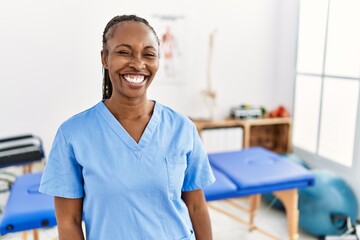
{"type": "Point", "coordinates": [26, 208]}
{"type": "Point", "coordinates": [254, 171]}
{"type": "Point", "coordinates": [222, 188]}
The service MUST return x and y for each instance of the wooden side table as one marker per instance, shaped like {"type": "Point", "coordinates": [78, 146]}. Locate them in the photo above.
{"type": "Point", "coordinates": [271, 133]}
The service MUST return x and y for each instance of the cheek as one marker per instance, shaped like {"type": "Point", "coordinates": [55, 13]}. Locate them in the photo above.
{"type": "Point", "coordinates": [155, 67]}
{"type": "Point", "coordinates": [117, 63]}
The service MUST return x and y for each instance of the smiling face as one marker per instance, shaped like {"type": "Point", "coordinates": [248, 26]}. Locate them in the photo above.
{"type": "Point", "coordinates": [132, 59]}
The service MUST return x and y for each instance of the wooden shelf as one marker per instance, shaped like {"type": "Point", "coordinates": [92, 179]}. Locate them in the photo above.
{"type": "Point", "coordinates": [271, 133]}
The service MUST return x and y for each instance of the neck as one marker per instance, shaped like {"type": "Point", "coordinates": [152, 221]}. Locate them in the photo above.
{"type": "Point", "coordinates": [130, 110]}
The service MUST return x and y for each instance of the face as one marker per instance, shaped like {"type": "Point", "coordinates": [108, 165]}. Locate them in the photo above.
{"type": "Point", "coordinates": [132, 59]}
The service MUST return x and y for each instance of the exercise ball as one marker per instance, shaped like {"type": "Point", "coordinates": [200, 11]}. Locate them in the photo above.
{"type": "Point", "coordinates": [326, 206]}
{"type": "Point", "coordinates": [272, 201]}
{"type": "Point", "coordinates": [296, 159]}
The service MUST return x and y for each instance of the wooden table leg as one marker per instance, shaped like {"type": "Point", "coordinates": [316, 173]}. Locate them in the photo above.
{"type": "Point", "coordinates": [235, 217]}
{"type": "Point", "coordinates": [27, 168]}
{"type": "Point", "coordinates": [254, 203]}
{"type": "Point", "coordinates": [24, 235]}
{"type": "Point", "coordinates": [246, 136]}
{"type": "Point", "coordinates": [36, 234]}
{"type": "Point", "coordinates": [289, 199]}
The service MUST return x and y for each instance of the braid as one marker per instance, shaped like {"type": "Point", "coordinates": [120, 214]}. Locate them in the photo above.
{"type": "Point", "coordinates": [108, 32]}
{"type": "Point", "coordinates": [107, 86]}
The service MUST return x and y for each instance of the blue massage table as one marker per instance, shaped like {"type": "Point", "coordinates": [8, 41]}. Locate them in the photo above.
{"type": "Point", "coordinates": [26, 208]}
{"type": "Point", "coordinates": [255, 171]}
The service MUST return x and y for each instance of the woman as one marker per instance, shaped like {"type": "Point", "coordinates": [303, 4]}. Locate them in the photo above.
{"type": "Point", "coordinates": [129, 167]}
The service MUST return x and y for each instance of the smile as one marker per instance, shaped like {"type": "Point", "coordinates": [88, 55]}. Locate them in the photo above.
{"type": "Point", "coordinates": [135, 79]}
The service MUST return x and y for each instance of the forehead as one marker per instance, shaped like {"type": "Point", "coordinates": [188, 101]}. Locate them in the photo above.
{"type": "Point", "coordinates": [131, 32]}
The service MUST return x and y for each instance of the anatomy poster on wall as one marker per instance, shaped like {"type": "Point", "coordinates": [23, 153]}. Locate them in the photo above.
{"type": "Point", "coordinates": [171, 30]}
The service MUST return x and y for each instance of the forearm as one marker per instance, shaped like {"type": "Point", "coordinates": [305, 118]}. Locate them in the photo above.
{"type": "Point", "coordinates": [70, 231]}
{"type": "Point", "coordinates": [69, 218]}
{"type": "Point", "coordinates": [201, 223]}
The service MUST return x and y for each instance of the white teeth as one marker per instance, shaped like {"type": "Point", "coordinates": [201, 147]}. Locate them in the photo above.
{"type": "Point", "coordinates": [134, 78]}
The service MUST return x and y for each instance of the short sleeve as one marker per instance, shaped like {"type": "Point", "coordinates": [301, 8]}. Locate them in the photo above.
{"type": "Point", "coordinates": [62, 175]}
{"type": "Point", "coordinates": [198, 173]}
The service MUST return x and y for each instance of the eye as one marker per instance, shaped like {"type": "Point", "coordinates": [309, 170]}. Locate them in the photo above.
{"type": "Point", "coordinates": [124, 52]}
{"type": "Point", "coordinates": [150, 55]}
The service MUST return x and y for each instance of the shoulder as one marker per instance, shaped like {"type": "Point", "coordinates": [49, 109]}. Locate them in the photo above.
{"type": "Point", "coordinates": [81, 120]}
{"type": "Point", "coordinates": [174, 117]}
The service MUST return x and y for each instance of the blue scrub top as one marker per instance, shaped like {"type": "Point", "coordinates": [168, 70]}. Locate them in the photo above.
{"type": "Point", "coordinates": [131, 190]}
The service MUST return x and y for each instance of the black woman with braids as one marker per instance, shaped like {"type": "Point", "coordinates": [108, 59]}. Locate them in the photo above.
{"type": "Point", "coordinates": [129, 167]}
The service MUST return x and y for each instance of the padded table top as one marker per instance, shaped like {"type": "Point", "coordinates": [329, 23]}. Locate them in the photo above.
{"type": "Point", "coordinates": [26, 207]}
{"type": "Point", "coordinates": [255, 170]}
{"type": "Point", "coordinates": [222, 188]}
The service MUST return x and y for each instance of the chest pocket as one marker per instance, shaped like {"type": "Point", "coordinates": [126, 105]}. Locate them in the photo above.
{"type": "Point", "coordinates": [176, 166]}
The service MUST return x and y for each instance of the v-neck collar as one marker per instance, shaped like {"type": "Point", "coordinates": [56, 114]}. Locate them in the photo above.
{"type": "Point", "coordinates": [124, 135]}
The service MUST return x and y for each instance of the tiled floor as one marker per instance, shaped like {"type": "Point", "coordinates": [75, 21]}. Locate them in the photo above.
{"type": "Point", "coordinates": [271, 220]}
{"type": "Point", "coordinates": [224, 227]}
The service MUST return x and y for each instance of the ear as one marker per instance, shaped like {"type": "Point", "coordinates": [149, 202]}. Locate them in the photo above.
{"type": "Point", "coordinates": [104, 59]}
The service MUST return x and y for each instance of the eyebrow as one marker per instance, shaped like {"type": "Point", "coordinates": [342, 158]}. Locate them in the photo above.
{"type": "Point", "coordinates": [128, 46]}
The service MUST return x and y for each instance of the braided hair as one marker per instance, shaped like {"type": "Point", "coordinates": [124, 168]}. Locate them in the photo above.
{"type": "Point", "coordinates": [108, 32]}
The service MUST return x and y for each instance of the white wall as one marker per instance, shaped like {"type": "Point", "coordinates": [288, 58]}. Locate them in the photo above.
{"type": "Point", "coordinates": [50, 57]}
{"type": "Point", "coordinates": [287, 32]}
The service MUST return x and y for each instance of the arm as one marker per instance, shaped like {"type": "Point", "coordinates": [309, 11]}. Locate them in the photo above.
{"type": "Point", "coordinates": [69, 218]}
{"type": "Point", "coordinates": [195, 202]}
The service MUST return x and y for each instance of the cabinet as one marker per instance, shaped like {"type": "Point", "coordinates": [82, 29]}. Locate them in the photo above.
{"type": "Point", "coordinates": [271, 133]}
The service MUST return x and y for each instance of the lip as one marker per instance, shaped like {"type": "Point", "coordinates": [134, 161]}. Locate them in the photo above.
{"type": "Point", "coordinates": [134, 84]}
{"type": "Point", "coordinates": [136, 73]}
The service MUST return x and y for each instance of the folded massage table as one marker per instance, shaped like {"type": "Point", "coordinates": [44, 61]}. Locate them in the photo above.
{"type": "Point", "coordinates": [255, 171]}
{"type": "Point", "coordinates": [26, 208]}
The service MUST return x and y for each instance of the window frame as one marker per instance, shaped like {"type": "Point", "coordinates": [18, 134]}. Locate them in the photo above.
{"type": "Point", "coordinates": [314, 159]}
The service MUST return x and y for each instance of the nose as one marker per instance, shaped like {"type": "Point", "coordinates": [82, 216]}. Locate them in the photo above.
{"type": "Point", "coordinates": [137, 62]}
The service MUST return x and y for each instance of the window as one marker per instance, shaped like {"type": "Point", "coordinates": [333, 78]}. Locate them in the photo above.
{"type": "Point", "coordinates": [327, 82]}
